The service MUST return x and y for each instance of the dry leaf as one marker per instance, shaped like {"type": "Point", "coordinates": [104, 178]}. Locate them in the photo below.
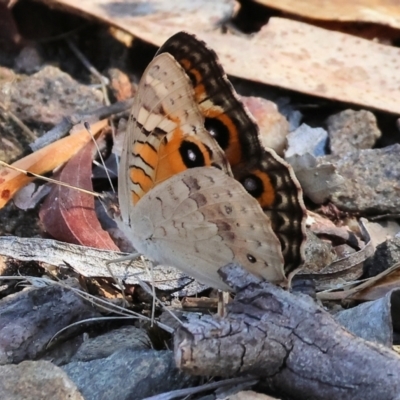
{"type": "Point", "coordinates": [68, 214]}
{"type": "Point", "coordinates": [379, 285]}
{"type": "Point", "coordinates": [284, 53]}
{"type": "Point", "coordinates": [385, 12]}
{"type": "Point", "coordinates": [372, 289]}
{"type": "Point", "coordinates": [132, 15]}
{"type": "Point", "coordinates": [43, 161]}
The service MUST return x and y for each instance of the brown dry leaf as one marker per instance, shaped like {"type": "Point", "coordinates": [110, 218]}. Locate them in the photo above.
{"type": "Point", "coordinates": [9, 33]}
{"type": "Point", "coordinates": [249, 395]}
{"type": "Point", "coordinates": [347, 268]}
{"type": "Point", "coordinates": [324, 227]}
{"type": "Point", "coordinates": [68, 214]}
{"type": "Point", "coordinates": [372, 289]}
{"type": "Point", "coordinates": [385, 12]}
{"type": "Point", "coordinates": [285, 53]}
{"type": "Point", "coordinates": [43, 161]}
{"type": "Point", "coordinates": [380, 285]}
{"type": "Point", "coordinates": [132, 15]}
{"type": "Point", "coordinates": [316, 61]}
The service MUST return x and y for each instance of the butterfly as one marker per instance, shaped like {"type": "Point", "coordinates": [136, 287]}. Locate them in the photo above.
{"type": "Point", "coordinates": [197, 190]}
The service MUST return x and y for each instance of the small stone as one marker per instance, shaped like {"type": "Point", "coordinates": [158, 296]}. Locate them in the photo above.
{"type": "Point", "coordinates": [272, 124]}
{"type": "Point", "coordinates": [128, 374]}
{"type": "Point", "coordinates": [352, 130]}
{"type": "Point", "coordinates": [36, 380]}
{"type": "Point", "coordinates": [28, 60]}
{"type": "Point", "coordinates": [49, 95]}
{"type": "Point", "coordinates": [318, 254]}
{"type": "Point", "coordinates": [386, 255]}
{"type": "Point", "coordinates": [120, 85]}
{"type": "Point", "coordinates": [371, 180]}
{"type": "Point", "coordinates": [104, 345]}
{"type": "Point", "coordinates": [306, 139]}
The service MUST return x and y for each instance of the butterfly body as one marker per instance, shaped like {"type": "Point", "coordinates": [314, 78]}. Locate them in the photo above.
{"type": "Point", "coordinates": [180, 204]}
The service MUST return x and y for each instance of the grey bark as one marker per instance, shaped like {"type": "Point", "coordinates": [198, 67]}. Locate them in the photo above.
{"type": "Point", "coordinates": [289, 343]}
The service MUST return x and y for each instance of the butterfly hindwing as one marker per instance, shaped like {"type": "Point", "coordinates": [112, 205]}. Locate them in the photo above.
{"type": "Point", "coordinates": [202, 219]}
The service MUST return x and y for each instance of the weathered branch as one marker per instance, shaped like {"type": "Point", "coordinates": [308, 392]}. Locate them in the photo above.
{"type": "Point", "coordinates": [290, 343]}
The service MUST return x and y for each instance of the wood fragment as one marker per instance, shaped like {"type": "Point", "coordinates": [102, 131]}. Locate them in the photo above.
{"type": "Point", "coordinates": [90, 263]}
{"type": "Point", "coordinates": [289, 342]}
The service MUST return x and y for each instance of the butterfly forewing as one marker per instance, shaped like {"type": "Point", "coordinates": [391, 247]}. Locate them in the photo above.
{"type": "Point", "coordinates": [163, 133]}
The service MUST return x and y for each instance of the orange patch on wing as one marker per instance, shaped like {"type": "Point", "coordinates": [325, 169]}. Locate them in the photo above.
{"type": "Point", "coordinates": [233, 152]}
{"type": "Point", "coordinates": [147, 153]}
{"type": "Point", "coordinates": [268, 196]}
{"type": "Point", "coordinates": [135, 197]}
{"type": "Point", "coordinates": [199, 93]}
{"type": "Point", "coordinates": [199, 88]}
{"type": "Point", "coordinates": [170, 159]}
{"type": "Point", "coordinates": [186, 64]}
{"type": "Point", "coordinates": [137, 175]}
{"type": "Point", "coordinates": [145, 182]}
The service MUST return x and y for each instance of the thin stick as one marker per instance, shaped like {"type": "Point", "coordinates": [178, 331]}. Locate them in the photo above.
{"type": "Point", "coordinates": [198, 389]}
{"type": "Point", "coordinates": [9, 114]}
{"type": "Point", "coordinates": [68, 122]}
{"type": "Point", "coordinates": [103, 80]}
{"type": "Point", "coordinates": [43, 178]}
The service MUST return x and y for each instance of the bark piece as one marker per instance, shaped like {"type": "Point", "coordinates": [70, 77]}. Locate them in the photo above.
{"type": "Point", "coordinates": [90, 263]}
{"type": "Point", "coordinates": [290, 343]}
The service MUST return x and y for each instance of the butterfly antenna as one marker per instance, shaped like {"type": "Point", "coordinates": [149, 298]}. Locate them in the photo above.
{"type": "Point", "coordinates": [87, 127]}
{"type": "Point", "coordinates": [55, 181]}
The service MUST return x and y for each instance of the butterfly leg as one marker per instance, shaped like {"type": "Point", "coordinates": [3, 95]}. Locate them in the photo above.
{"type": "Point", "coordinates": [131, 257]}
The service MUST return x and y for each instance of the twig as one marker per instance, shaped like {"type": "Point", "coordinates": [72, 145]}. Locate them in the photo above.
{"type": "Point", "coordinates": [43, 178]}
{"type": "Point", "coordinates": [11, 115]}
{"type": "Point", "coordinates": [198, 389]}
{"type": "Point", "coordinates": [67, 123]}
